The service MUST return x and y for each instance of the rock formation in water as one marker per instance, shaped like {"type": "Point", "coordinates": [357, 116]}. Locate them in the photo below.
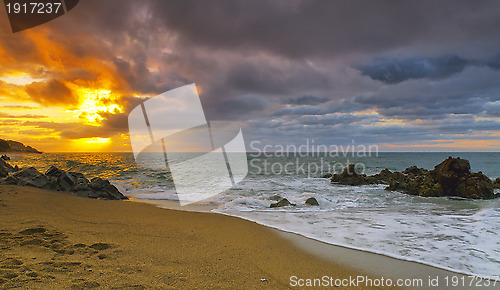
{"type": "Point", "coordinates": [281, 203]}
{"type": "Point", "coordinates": [452, 177]}
{"type": "Point", "coordinates": [312, 201]}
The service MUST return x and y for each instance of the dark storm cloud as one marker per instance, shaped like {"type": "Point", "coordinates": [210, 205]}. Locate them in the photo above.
{"type": "Point", "coordinates": [335, 119]}
{"type": "Point", "coordinates": [396, 71]}
{"type": "Point", "coordinates": [393, 71]}
{"type": "Point", "coordinates": [326, 28]}
{"type": "Point", "coordinates": [280, 65]}
{"type": "Point", "coordinates": [306, 100]}
{"type": "Point", "coordinates": [468, 92]}
{"type": "Point", "coordinates": [301, 110]}
{"type": "Point", "coordinates": [492, 109]}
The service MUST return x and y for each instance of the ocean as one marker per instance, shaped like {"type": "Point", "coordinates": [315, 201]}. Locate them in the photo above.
{"type": "Point", "coordinates": [458, 235]}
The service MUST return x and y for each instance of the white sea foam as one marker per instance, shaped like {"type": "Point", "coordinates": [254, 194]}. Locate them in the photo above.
{"type": "Point", "coordinates": [461, 236]}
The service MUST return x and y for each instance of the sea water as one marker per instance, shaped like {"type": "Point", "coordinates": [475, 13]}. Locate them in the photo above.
{"type": "Point", "coordinates": [459, 235]}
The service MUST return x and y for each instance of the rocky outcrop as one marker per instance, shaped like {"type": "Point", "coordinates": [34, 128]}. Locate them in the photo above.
{"type": "Point", "coordinates": [5, 157]}
{"type": "Point", "coordinates": [31, 177]}
{"type": "Point", "coordinates": [452, 177]}
{"type": "Point", "coordinates": [7, 166]}
{"type": "Point", "coordinates": [281, 203]}
{"type": "Point", "coordinates": [60, 180]}
{"type": "Point", "coordinates": [312, 201]}
{"type": "Point", "coordinates": [105, 189]}
{"type": "Point", "coordinates": [350, 176]}
{"type": "Point", "coordinates": [14, 146]}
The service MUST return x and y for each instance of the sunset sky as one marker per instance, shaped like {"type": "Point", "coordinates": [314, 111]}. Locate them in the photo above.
{"type": "Point", "coordinates": [404, 75]}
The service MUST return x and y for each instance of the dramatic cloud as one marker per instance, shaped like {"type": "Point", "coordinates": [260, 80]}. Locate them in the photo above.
{"type": "Point", "coordinates": [399, 73]}
{"type": "Point", "coordinates": [396, 71]}
{"type": "Point", "coordinates": [52, 93]}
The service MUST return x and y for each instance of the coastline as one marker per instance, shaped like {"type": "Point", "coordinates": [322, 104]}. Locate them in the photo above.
{"type": "Point", "coordinates": [53, 239]}
{"type": "Point", "coordinates": [374, 264]}
{"type": "Point", "coordinates": [151, 243]}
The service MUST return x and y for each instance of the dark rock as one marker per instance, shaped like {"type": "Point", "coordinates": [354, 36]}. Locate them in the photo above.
{"type": "Point", "coordinates": [57, 179]}
{"type": "Point", "coordinates": [477, 185]}
{"type": "Point", "coordinates": [9, 180]}
{"type": "Point", "coordinates": [281, 203]}
{"type": "Point", "coordinates": [496, 183]}
{"type": "Point", "coordinates": [275, 197]}
{"type": "Point", "coordinates": [415, 170]}
{"type": "Point", "coordinates": [61, 180]}
{"type": "Point", "coordinates": [457, 165]}
{"type": "Point", "coordinates": [82, 185]}
{"type": "Point", "coordinates": [452, 177]}
{"type": "Point", "coordinates": [31, 177]}
{"type": "Point", "coordinates": [312, 201]}
{"type": "Point", "coordinates": [349, 176]}
{"type": "Point", "coordinates": [5, 157]}
{"type": "Point", "coordinates": [327, 175]}
{"type": "Point", "coordinates": [9, 167]}
{"type": "Point", "coordinates": [105, 189]}
{"type": "Point", "coordinates": [3, 170]}
{"type": "Point", "coordinates": [388, 177]}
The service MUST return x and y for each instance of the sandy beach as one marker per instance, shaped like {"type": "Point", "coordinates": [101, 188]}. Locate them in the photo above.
{"type": "Point", "coordinates": [56, 240]}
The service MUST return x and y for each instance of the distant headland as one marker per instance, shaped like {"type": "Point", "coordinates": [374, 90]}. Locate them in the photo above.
{"type": "Point", "coordinates": [14, 146]}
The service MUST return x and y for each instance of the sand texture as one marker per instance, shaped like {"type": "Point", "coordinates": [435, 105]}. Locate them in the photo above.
{"type": "Point", "coordinates": [56, 240]}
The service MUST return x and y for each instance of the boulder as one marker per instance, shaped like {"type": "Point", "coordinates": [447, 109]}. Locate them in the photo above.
{"type": "Point", "coordinates": [9, 167]}
{"type": "Point", "coordinates": [281, 203]}
{"type": "Point", "coordinates": [105, 189]}
{"type": "Point", "coordinates": [349, 176]}
{"type": "Point", "coordinates": [31, 177]}
{"type": "Point", "coordinates": [61, 180]}
{"type": "Point", "coordinates": [312, 201]}
{"type": "Point", "coordinates": [82, 185]}
{"type": "Point", "coordinates": [387, 177]}
{"type": "Point", "coordinates": [477, 185]}
{"type": "Point", "coordinates": [452, 177]}
{"type": "Point", "coordinates": [276, 197]}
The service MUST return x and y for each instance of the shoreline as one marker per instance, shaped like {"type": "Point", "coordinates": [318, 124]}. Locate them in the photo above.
{"type": "Point", "coordinates": [54, 240]}
{"type": "Point", "coordinates": [86, 242]}
{"type": "Point", "coordinates": [393, 267]}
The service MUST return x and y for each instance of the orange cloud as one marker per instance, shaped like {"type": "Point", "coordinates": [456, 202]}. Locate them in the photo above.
{"type": "Point", "coordinates": [53, 92]}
